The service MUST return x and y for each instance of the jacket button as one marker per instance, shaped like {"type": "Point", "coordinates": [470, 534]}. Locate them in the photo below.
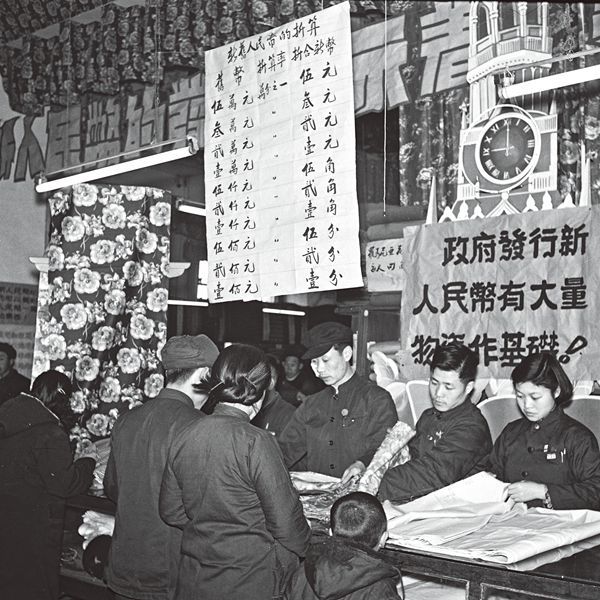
{"type": "Point", "coordinates": [331, 442]}
{"type": "Point", "coordinates": [524, 473]}
{"type": "Point", "coordinates": [332, 466]}
{"type": "Point", "coordinates": [530, 449]}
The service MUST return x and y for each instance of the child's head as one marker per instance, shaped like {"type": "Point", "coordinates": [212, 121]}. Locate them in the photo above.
{"type": "Point", "coordinates": [359, 517]}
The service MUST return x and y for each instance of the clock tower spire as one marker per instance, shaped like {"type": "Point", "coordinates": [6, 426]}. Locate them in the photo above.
{"type": "Point", "coordinates": [506, 150]}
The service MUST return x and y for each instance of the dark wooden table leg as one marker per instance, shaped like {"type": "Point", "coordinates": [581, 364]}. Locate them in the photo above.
{"type": "Point", "coordinates": [475, 590]}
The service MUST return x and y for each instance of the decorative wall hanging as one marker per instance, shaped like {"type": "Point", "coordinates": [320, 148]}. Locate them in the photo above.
{"type": "Point", "coordinates": [108, 267]}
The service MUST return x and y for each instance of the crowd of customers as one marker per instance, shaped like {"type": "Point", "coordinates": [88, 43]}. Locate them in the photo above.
{"type": "Point", "coordinates": [205, 507]}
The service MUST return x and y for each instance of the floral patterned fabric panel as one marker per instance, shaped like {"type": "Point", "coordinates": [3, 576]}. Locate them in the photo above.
{"type": "Point", "coordinates": [108, 291]}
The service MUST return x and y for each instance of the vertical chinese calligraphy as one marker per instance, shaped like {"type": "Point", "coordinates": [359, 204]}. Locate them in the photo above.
{"type": "Point", "coordinates": [384, 266]}
{"type": "Point", "coordinates": [282, 212]}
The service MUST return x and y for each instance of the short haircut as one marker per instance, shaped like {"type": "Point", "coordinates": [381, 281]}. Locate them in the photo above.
{"type": "Point", "coordinates": [358, 517]}
{"type": "Point", "coordinates": [8, 350]}
{"type": "Point", "coordinates": [180, 375]}
{"type": "Point", "coordinates": [340, 347]}
{"type": "Point", "coordinates": [543, 369]}
{"type": "Point", "coordinates": [456, 357]}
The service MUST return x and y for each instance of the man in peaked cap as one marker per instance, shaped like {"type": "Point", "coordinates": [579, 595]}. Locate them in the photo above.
{"type": "Point", "coordinates": [145, 551]}
{"type": "Point", "coordinates": [337, 430]}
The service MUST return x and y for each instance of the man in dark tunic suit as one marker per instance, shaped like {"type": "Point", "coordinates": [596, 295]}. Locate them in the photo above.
{"type": "Point", "coordinates": [144, 555]}
{"type": "Point", "coordinates": [453, 437]}
{"type": "Point", "coordinates": [337, 430]}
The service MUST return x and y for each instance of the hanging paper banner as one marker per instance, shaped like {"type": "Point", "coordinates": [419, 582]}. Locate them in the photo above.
{"type": "Point", "coordinates": [506, 286]}
{"type": "Point", "coordinates": [282, 211]}
{"type": "Point", "coordinates": [384, 266]}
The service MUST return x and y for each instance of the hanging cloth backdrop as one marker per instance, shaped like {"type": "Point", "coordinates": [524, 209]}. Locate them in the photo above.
{"type": "Point", "coordinates": [108, 261]}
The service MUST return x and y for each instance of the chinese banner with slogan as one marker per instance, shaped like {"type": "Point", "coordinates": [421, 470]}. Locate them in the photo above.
{"type": "Point", "coordinates": [506, 286]}
{"type": "Point", "coordinates": [384, 266]}
{"type": "Point", "coordinates": [280, 172]}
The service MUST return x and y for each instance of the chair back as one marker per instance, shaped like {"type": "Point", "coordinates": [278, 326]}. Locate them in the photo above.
{"type": "Point", "coordinates": [417, 392]}
{"type": "Point", "coordinates": [499, 411]}
{"type": "Point", "coordinates": [586, 409]}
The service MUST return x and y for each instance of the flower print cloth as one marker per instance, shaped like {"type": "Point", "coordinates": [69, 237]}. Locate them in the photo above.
{"type": "Point", "coordinates": [108, 291]}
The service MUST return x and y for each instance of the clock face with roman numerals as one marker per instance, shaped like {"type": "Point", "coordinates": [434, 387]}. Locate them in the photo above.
{"type": "Point", "coordinates": [508, 148]}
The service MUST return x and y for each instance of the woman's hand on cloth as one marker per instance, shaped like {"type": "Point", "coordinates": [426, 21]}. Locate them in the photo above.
{"type": "Point", "coordinates": [355, 470]}
{"type": "Point", "coordinates": [525, 491]}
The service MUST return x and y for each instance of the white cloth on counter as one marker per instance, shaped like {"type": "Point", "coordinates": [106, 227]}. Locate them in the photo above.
{"type": "Point", "coordinates": [95, 524]}
{"type": "Point", "coordinates": [469, 519]}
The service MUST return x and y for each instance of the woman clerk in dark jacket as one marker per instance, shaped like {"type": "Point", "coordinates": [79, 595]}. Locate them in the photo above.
{"type": "Point", "coordinates": [37, 473]}
{"type": "Point", "coordinates": [227, 487]}
{"type": "Point", "coordinates": [548, 458]}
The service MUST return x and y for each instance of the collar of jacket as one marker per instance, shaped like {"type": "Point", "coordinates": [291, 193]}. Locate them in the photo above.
{"type": "Point", "coordinates": [552, 417]}
{"type": "Point", "coordinates": [347, 385]}
{"type": "Point", "coordinates": [458, 411]}
{"type": "Point", "coordinates": [230, 411]}
{"type": "Point", "coordinates": [173, 394]}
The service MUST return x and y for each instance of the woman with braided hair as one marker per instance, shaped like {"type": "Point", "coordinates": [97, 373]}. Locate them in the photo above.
{"type": "Point", "coordinates": [227, 487]}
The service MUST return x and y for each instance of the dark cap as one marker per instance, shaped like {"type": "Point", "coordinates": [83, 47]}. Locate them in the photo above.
{"type": "Point", "coordinates": [322, 337]}
{"type": "Point", "coordinates": [296, 350]}
{"type": "Point", "coordinates": [189, 352]}
{"type": "Point", "coordinates": [8, 350]}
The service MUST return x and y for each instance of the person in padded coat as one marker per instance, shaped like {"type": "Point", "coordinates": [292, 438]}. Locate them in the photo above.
{"type": "Point", "coordinates": [453, 438]}
{"type": "Point", "coordinates": [346, 565]}
{"type": "Point", "coordinates": [227, 487]}
{"type": "Point", "coordinates": [549, 458]}
{"type": "Point", "coordinates": [37, 473]}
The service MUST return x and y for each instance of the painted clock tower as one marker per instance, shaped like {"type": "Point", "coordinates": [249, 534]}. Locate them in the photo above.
{"type": "Point", "coordinates": [508, 150]}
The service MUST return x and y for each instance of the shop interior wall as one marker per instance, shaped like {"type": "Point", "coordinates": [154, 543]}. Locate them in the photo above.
{"type": "Point", "coordinates": [22, 214]}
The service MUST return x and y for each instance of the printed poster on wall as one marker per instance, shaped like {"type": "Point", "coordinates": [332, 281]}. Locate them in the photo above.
{"type": "Point", "coordinates": [18, 307]}
{"type": "Point", "coordinates": [280, 172]}
{"type": "Point", "coordinates": [506, 286]}
{"type": "Point", "coordinates": [384, 266]}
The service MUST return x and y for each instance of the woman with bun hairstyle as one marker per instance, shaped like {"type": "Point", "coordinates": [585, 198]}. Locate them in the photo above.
{"type": "Point", "coordinates": [227, 487]}
{"type": "Point", "coordinates": [549, 458]}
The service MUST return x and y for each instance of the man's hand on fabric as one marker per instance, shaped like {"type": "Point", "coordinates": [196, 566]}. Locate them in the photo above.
{"type": "Point", "coordinates": [356, 469]}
